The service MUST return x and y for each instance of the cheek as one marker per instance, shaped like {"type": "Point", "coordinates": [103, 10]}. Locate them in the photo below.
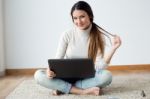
{"type": "Point", "coordinates": [75, 22]}
{"type": "Point", "coordinates": [86, 21]}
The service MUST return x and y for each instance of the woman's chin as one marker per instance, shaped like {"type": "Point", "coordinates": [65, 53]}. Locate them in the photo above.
{"type": "Point", "coordinates": [82, 28]}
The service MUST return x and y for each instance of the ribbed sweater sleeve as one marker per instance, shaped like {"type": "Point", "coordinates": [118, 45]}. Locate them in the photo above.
{"type": "Point", "coordinates": [62, 46]}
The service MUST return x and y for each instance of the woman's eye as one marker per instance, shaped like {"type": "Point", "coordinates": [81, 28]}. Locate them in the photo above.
{"type": "Point", "coordinates": [82, 16]}
{"type": "Point", "coordinates": [74, 18]}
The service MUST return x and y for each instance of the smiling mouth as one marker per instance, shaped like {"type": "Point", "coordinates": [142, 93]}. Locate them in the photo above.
{"type": "Point", "coordinates": [80, 25]}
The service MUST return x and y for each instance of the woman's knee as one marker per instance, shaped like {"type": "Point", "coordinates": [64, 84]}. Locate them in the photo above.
{"type": "Point", "coordinates": [105, 78]}
{"type": "Point", "coordinates": [38, 75]}
{"type": "Point", "coordinates": [108, 75]}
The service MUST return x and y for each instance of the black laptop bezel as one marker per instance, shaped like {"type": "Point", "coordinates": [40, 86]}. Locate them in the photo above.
{"type": "Point", "coordinates": [89, 68]}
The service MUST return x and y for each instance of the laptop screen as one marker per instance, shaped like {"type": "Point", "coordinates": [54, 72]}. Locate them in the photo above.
{"type": "Point", "coordinates": [72, 68]}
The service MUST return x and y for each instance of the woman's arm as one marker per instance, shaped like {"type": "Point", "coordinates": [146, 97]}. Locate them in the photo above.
{"type": "Point", "coordinates": [62, 46]}
{"type": "Point", "coordinates": [115, 45]}
{"type": "Point", "coordinates": [61, 51]}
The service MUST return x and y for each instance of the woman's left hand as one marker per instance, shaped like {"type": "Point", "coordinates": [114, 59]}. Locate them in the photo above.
{"type": "Point", "coordinates": [116, 42]}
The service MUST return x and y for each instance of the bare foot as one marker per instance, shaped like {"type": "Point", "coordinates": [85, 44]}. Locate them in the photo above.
{"type": "Point", "coordinates": [92, 91]}
{"type": "Point", "coordinates": [56, 92]}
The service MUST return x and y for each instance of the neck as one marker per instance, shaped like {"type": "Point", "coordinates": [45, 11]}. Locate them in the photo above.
{"type": "Point", "coordinates": [87, 30]}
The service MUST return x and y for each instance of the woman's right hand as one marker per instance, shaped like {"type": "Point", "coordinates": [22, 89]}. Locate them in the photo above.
{"type": "Point", "coordinates": [50, 73]}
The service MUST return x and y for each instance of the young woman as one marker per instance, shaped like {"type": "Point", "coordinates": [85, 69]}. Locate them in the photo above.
{"type": "Point", "coordinates": [84, 40]}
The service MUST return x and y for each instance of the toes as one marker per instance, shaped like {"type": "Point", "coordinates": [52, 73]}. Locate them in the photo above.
{"type": "Point", "coordinates": [54, 93]}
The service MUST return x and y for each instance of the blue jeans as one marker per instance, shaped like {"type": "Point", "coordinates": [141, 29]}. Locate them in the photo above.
{"type": "Point", "coordinates": [102, 79]}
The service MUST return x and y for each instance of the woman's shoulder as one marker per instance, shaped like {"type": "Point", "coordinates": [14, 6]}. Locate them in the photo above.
{"type": "Point", "coordinates": [69, 32]}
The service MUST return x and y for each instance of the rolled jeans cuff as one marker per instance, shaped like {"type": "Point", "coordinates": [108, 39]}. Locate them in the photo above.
{"type": "Point", "coordinates": [68, 88]}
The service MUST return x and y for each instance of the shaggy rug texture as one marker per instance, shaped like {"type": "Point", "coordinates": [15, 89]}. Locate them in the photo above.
{"type": "Point", "coordinates": [133, 86]}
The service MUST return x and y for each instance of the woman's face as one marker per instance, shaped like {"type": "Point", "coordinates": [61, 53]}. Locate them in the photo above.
{"type": "Point", "coordinates": [81, 19]}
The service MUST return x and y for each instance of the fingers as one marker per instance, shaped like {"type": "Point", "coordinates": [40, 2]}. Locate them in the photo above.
{"type": "Point", "coordinates": [117, 39]}
{"type": "Point", "coordinates": [116, 42]}
{"type": "Point", "coordinates": [50, 73]}
{"type": "Point", "coordinates": [116, 36]}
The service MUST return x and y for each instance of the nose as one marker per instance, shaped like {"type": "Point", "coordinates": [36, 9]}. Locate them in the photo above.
{"type": "Point", "coordinates": [79, 21]}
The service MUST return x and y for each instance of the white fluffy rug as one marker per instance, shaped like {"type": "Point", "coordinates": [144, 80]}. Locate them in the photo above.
{"type": "Point", "coordinates": [122, 87]}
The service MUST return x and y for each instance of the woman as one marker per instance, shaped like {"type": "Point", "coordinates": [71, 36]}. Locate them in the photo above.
{"type": "Point", "coordinates": [84, 40]}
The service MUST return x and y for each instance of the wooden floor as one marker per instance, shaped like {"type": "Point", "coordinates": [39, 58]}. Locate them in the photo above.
{"type": "Point", "coordinates": [10, 82]}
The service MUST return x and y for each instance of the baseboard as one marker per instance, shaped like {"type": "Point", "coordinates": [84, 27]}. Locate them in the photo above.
{"type": "Point", "coordinates": [30, 71]}
{"type": "Point", "coordinates": [113, 68]}
{"type": "Point", "coordinates": [129, 67]}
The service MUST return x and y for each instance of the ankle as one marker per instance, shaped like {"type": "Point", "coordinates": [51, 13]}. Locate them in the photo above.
{"type": "Point", "coordinates": [83, 91]}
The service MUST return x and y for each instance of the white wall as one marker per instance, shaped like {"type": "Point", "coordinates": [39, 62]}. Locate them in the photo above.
{"type": "Point", "coordinates": [33, 28]}
{"type": "Point", "coordinates": [2, 68]}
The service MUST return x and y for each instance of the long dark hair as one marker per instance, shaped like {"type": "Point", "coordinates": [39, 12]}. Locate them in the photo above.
{"type": "Point", "coordinates": [96, 37]}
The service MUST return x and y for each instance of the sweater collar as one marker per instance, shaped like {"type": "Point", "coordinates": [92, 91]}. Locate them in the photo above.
{"type": "Point", "coordinates": [86, 31]}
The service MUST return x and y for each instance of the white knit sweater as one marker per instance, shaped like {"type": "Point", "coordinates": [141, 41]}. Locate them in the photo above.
{"type": "Point", "coordinates": [74, 44]}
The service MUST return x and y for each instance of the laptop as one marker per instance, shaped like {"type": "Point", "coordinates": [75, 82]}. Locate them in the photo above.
{"type": "Point", "coordinates": [72, 68]}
